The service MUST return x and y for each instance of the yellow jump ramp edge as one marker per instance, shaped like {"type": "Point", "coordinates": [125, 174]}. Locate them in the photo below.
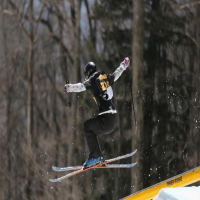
{"type": "Point", "coordinates": [181, 180]}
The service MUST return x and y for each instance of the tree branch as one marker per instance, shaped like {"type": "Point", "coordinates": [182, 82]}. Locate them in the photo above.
{"type": "Point", "coordinates": [38, 22]}
{"type": "Point", "coordinates": [189, 4]}
{"type": "Point", "coordinates": [20, 23]}
{"type": "Point", "coordinates": [57, 91]}
{"type": "Point", "coordinates": [57, 39]}
{"type": "Point", "coordinates": [180, 7]}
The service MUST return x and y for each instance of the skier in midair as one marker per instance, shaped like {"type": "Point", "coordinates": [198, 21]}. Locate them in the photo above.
{"type": "Point", "coordinates": [99, 84]}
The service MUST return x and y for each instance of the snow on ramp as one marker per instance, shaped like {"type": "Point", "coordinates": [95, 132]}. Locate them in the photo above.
{"type": "Point", "coordinates": [179, 193]}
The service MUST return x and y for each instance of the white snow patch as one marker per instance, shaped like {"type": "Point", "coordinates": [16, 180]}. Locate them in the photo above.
{"type": "Point", "coordinates": [179, 193]}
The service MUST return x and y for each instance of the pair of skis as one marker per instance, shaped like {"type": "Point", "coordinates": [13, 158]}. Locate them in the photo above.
{"type": "Point", "coordinates": [103, 165]}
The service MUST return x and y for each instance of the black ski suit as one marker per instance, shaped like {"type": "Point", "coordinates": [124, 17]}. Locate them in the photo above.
{"type": "Point", "coordinates": [104, 123]}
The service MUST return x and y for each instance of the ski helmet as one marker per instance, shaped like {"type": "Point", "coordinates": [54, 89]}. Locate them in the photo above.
{"type": "Point", "coordinates": [90, 68]}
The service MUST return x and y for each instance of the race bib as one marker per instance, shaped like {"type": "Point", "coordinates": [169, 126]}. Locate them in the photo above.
{"type": "Point", "coordinates": [103, 84]}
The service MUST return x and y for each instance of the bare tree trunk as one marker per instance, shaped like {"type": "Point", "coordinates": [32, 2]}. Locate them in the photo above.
{"type": "Point", "coordinates": [30, 76]}
{"type": "Point", "coordinates": [77, 64]}
{"type": "Point", "coordinates": [1, 181]}
{"type": "Point", "coordinates": [76, 71]}
{"type": "Point", "coordinates": [30, 95]}
{"type": "Point", "coordinates": [9, 77]}
{"type": "Point", "coordinates": [77, 43]}
{"type": "Point", "coordinates": [92, 27]}
{"type": "Point", "coordinates": [76, 138]}
{"type": "Point", "coordinates": [30, 101]}
{"type": "Point", "coordinates": [63, 57]}
{"type": "Point", "coordinates": [137, 74]}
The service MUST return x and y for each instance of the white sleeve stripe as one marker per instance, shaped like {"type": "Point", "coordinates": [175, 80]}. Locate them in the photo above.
{"type": "Point", "coordinates": [78, 87]}
{"type": "Point", "coordinates": [118, 72]}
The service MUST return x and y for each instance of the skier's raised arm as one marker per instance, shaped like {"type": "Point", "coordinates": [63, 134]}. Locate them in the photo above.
{"type": "Point", "coordinates": [123, 66]}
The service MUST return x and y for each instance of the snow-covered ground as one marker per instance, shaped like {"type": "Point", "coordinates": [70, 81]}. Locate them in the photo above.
{"type": "Point", "coordinates": [181, 193]}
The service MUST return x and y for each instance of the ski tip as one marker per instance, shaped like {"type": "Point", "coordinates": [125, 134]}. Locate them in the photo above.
{"type": "Point", "coordinates": [133, 164]}
{"type": "Point", "coordinates": [56, 168]}
{"type": "Point", "coordinates": [53, 180]}
{"type": "Point", "coordinates": [134, 151]}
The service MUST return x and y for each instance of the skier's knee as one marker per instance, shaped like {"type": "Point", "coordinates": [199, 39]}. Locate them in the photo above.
{"type": "Point", "coordinates": [86, 126]}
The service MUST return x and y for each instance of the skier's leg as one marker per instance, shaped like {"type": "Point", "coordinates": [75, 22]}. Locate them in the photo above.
{"type": "Point", "coordinates": [102, 124]}
{"type": "Point", "coordinates": [91, 128]}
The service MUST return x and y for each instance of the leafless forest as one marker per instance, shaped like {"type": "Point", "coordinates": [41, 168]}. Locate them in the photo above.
{"type": "Point", "coordinates": [46, 42]}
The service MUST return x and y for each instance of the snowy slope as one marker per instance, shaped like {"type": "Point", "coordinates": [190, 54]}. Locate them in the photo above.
{"type": "Point", "coordinates": [181, 193]}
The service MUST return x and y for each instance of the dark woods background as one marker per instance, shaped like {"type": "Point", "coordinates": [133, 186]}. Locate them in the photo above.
{"type": "Point", "coordinates": [45, 42]}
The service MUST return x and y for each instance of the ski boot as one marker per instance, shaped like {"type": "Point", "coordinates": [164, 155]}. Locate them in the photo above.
{"type": "Point", "coordinates": [92, 160]}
